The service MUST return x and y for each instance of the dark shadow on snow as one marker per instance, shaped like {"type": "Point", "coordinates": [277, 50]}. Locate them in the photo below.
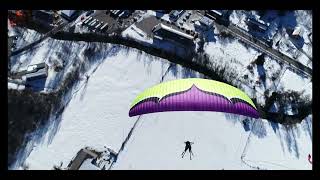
{"type": "Point", "coordinates": [36, 85]}
{"type": "Point", "coordinates": [298, 42]}
{"type": "Point", "coordinates": [209, 35]}
{"type": "Point", "coordinates": [307, 126]}
{"type": "Point", "coordinates": [84, 90]}
{"type": "Point", "coordinates": [159, 14]}
{"type": "Point", "coordinates": [286, 19]}
{"type": "Point", "coordinates": [259, 129]}
{"type": "Point", "coordinates": [275, 126]}
{"type": "Point", "coordinates": [291, 141]}
{"type": "Point", "coordinates": [246, 124]}
{"type": "Point", "coordinates": [262, 74]}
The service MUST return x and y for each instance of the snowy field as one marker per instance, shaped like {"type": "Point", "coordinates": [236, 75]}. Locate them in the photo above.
{"type": "Point", "coordinates": [97, 116]}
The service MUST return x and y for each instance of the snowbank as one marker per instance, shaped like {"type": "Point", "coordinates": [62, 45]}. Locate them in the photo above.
{"type": "Point", "coordinates": [15, 86]}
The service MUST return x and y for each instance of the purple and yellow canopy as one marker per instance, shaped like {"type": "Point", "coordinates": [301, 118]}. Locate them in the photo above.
{"type": "Point", "coordinates": [193, 94]}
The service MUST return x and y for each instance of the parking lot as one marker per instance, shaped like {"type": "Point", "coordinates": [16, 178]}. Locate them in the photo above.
{"type": "Point", "coordinates": [115, 24]}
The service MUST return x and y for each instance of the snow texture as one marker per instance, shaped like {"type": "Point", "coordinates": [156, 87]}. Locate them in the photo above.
{"type": "Point", "coordinates": [97, 116]}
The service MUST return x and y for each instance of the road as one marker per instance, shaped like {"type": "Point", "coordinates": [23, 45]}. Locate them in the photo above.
{"type": "Point", "coordinates": [263, 47]}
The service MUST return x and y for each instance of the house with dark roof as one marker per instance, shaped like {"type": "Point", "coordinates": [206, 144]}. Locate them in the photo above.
{"type": "Point", "coordinates": [257, 25]}
{"type": "Point", "coordinates": [69, 14]}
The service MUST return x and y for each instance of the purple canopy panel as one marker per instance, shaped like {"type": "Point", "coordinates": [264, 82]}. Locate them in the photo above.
{"type": "Point", "coordinates": [193, 100]}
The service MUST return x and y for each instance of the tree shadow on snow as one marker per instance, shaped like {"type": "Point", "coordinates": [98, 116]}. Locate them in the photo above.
{"type": "Point", "coordinates": [286, 19]}
{"type": "Point", "coordinates": [262, 74]}
{"type": "Point", "coordinates": [174, 69]}
{"type": "Point", "coordinates": [84, 89]}
{"type": "Point", "coordinates": [54, 127]}
{"type": "Point", "coordinates": [275, 126]}
{"type": "Point", "coordinates": [259, 128]}
{"type": "Point", "coordinates": [188, 73]}
{"type": "Point", "coordinates": [159, 14]}
{"type": "Point", "coordinates": [209, 35]}
{"type": "Point", "coordinates": [291, 141]}
{"type": "Point", "coordinates": [37, 138]}
{"type": "Point", "coordinates": [233, 118]}
{"type": "Point", "coordinates": [147, 59]}
{"type": "Point", "coordinates": [307, 126]}
{"type": "Point", "coordinates": [298, 42]}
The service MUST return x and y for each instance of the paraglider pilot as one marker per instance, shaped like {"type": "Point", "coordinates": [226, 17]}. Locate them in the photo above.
{"type": "Point", "coordinates": [187, 147]}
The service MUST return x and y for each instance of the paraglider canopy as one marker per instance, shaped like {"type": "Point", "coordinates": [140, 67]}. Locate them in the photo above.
{"type": "Point", "coordinates": [193, 94]}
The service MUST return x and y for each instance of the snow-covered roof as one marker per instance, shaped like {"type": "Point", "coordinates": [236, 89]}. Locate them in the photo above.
{"type": "Point", "coordinates": [297, 31]}
{"type": "Point", "coordinates": [258, 23]}
{"type": "Point", "coordinates": [177, 13]}
{"type": "Point", "coordinates": [206, 21]}
{"type": "Point", "coordinates": [167, 28]}
{"type": "Point", "coordinates": [219, 12]}
{"type": "Point", "coordinates": [39, 73]}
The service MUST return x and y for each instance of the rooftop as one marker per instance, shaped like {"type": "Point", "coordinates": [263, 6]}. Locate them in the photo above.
{"type": "Point", "coordinates": [167, 28]}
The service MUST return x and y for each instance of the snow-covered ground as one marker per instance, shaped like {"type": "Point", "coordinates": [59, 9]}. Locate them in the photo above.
{"type": "Point", "coordinates": [219, 143]}
{"type": "Point", "coordinates": [291, 81]}
{"type": "Point", "coordinates": [97, 116]}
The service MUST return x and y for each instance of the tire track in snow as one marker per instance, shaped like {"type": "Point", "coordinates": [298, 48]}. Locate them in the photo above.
{"type": "Point", "coordinates": [135, 125]}
{"type": "Point", "coordinates": [125, 142]}
{"type": "Point", "coordinates": [244, 153]}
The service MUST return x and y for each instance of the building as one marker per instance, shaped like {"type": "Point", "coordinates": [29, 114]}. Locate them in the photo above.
{"type": "Point", "coordinates": [164, 32]}
{"type": "Point", "coordinates": [206, 22]}
{"type": "Point", "coordinates": [220, 16]}
{"type": "Point", "coordinates": [297, 32]}
{"type": "Point", "coordinates": [176, 14]}
{"type": "Point", "coordinates": [257, 25]}
{"type": "Point", "coordinates": [80, 158]}
{"type": "Point", "coordinates": [70, 15]}
{"type": "Point", "coordinates": [215, 13]}
{"type": "Point", "coordinates": [39, 74]}
{"type": "Point", "coordinates": [87, 165]}
{"type": "Point", "coordinates": [35, 80]}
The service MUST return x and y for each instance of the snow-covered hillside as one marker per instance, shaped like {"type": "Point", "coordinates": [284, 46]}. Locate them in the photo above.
{"type": "Point", "coordinates": [97, 116]}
